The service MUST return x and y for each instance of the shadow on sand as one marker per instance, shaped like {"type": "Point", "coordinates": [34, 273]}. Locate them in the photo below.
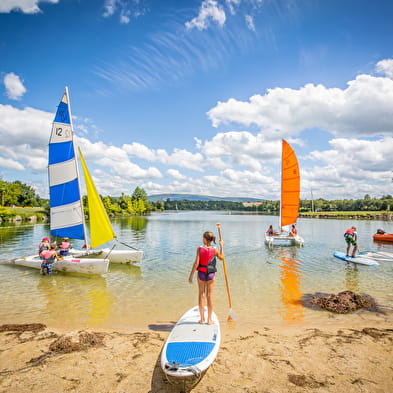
{"type": "Point", "coordinates": [160, 383]}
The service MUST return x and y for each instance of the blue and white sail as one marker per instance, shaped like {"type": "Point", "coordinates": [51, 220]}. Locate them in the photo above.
{"type": "Point", "coordinates": [66, 210]}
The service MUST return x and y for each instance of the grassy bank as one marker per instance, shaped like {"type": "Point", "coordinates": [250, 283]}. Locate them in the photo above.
{"type": "Point", "coordinates": [17, 214]}
{"type": "Point", "coordinates": [359, 215]}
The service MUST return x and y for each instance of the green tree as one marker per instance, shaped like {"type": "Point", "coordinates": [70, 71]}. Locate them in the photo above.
{"type": "Point", "coordinates": [139, 193]}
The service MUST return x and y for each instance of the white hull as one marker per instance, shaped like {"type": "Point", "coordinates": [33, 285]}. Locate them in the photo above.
{"type": "Point", "coordinates": [284, 239]}
{"type": "Point", "coordinates": [69, 264]}
{"type": "Point", "coordinates": [114, 256]}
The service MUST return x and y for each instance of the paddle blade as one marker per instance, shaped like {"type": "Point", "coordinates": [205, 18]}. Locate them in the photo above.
{"type": "Point", "coordinates": [231, 316]}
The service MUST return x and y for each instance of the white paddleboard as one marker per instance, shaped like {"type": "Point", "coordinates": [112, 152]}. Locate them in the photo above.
{"type": "Point", "coordinates": [191, 347]}
{"type": "Point", "coordinates": [360, 260]}
{"type": "Point", "coordinates": [376, 255]}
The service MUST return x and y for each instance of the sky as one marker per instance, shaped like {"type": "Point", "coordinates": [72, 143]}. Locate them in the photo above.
{"type": "Point", "coordinates": [195, 96]}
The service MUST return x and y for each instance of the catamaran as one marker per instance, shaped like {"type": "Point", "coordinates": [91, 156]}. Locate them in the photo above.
{"type": "Point", "coordinates": [67, 218]}
{"type": "Point", "coordinates": [290, 196]}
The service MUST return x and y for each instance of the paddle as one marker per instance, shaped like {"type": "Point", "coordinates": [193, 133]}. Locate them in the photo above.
{"type": "Point", "coordinates": [231, 315]}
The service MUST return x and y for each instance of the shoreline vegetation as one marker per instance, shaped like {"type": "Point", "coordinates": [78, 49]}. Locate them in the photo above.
{"type": "Point", "coordinates": [33, 215]}
{"type": "Point", "coordinates": [19, 203]}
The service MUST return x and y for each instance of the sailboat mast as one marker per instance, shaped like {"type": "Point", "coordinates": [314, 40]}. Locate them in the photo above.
{"type": "Point", "coordinates": [282, 163]}
{"type": "Point", "coordinates": [77, 169]}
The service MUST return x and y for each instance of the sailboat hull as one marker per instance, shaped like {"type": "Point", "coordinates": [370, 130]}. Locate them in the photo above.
{"type": "Point", "coordinates": [68, 264]}
{"type": "Point", "coordinates": [284, 239]}
{"type": "Point", "coordinates": [114, 256]}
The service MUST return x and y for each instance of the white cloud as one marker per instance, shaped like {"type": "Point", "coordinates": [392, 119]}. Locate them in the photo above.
{"type": "Point", "coordinates": [364, 108]}
{"type": "Point", "coordinates": [175, 174]}
{"type": "Point", "coordinates": [250, 22]}
{"type": "Point", "coordinates": [351, 167]}
{"type": "Point", "coordinates": [385, 67]}
{"type": "Point", "coordinates": [25, 6]}
{"type": "Point", "coordinates": [14, 86]}
{"type": "Point", "coordinates": [179, 157]}
{"type": "Point", "coordinates": [370, 156]}
{"type": "Point", "coordinates": [126, 9]}
{"type": "Point", "coordinates": [11, 164]}
{"type": "Point", "coordinates": [240, 149]}
{"type": "Point", "coordinates": [24, 126]}
{"type": "Point", "coordinates": [116, 159]}
{"type": "Point", "coordinates": [209, 11]}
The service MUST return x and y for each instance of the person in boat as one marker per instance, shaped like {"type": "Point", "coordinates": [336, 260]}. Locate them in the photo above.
{"type": "Point", "coordinates": [270, 231]}
{"type": "Point", "coordinates": [64, 247]}
{"type": "Point", "coordinates": [351, 238]}
{"type": "Point", "coordinates": [205, 264]}
{"type": "Point", "coordinates": [43, 246]}
{"type": "Point", "coordinates": [380, 232]}
{"type": "Point", "coordinates": [50, 256]}
{"type": "Point", "coordinates": [293, 232]}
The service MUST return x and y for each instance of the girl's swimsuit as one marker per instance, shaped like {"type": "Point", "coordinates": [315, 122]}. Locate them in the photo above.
{"type": "Point", "coordinates": [206, 276]}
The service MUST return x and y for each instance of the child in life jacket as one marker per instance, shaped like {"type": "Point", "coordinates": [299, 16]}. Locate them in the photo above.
{"type": "Point", "coordinates": [65, 247]}
{"type": "Point", "coordinates": [43, 246]}
{"type": "Point", "coordinates": [205, 264]}
{"type": "Point", "coordinates": [351, 237]}
{"type": "Point", "coordinates": [50, 256]}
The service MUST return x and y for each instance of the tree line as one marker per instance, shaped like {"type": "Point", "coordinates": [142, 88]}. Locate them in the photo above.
{"type": "Point", "coordinates": [385, 203]}
{"type": "Point", "coordinates": [19, 194]}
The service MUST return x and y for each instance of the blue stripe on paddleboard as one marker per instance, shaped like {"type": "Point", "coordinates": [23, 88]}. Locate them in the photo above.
{"type": "Point", "coordinates": [62, 114]}
{"type": "Point", "coordinates": [188, 353]}
{"type": "Point", "coordinates": [75, 232]}
{"type": "Point", "coordinates": [60, 152]}
{"type": "Point", "coordinates": [64, 194]}
{"type": "Point", "coordinates": [340, 255]}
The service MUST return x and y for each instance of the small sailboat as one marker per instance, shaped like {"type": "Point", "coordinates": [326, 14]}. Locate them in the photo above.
{"type": "Point", "coordinates": [66, 209]}
{"type": "Point", "coordinates": [71, 206]}
{"type": "Point", "coordinates": [289, 201]}
{"type": "Point", "coordinates": [67, 217]}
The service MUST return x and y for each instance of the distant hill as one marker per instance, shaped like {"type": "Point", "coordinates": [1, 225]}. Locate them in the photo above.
{"type": "Point", "coordinates": [192, 197]}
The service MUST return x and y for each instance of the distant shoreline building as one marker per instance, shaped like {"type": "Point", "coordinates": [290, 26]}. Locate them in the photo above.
{"type": "Point", "coordinates": [250, 204]}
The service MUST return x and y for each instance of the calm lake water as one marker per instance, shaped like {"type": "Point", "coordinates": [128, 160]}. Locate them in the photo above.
{"type": "Point", "coordinates": [266, 284]}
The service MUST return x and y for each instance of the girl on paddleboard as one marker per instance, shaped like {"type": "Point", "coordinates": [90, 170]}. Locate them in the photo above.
{"type": "Point", "coordinates": [205, 264]}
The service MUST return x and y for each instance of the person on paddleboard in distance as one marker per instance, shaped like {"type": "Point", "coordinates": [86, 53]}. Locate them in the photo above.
{"type": "Point", "coordinates": [205, 263]}
{"type": "Point", "coordinates": [351, 238]}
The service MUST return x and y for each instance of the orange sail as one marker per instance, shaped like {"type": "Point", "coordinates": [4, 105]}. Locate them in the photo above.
{"type": "Point", "coordinates": [290, 185]}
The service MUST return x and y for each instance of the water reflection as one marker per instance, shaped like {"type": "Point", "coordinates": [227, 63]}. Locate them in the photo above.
{"type": "Point", "coordinates": [71, 299]}
{"type": "Point", "coordinates": [136, 223]}
{"type": "Point", "coordinates": [10, 233]}
{"type": "Point", "coordinates": [132, 270]}
{"type": "Point", "coordinates": [351, 277]}
{"type": "Point", "coordinates": [290, 285]}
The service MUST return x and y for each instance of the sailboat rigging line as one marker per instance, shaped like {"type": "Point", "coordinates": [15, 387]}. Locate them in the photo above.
{"type": "Point", "coordinates": [127, 245]}
{"type": "Point", "coordinates": [109, 253]}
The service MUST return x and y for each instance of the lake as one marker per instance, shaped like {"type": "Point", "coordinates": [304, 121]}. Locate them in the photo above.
{"type": "Point", "coordinates": [266, 285]}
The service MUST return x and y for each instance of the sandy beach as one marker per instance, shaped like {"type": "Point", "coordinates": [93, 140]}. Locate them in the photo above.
{"type": "Point", "coordinates": [356, 357]}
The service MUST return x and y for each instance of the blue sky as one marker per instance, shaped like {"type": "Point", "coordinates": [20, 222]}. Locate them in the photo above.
{"type": "Point", "coordinates": [194, 96]}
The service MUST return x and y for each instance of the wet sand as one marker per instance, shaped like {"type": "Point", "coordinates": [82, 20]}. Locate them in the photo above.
{"type": "Point", "coordinates": [340, 357]}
